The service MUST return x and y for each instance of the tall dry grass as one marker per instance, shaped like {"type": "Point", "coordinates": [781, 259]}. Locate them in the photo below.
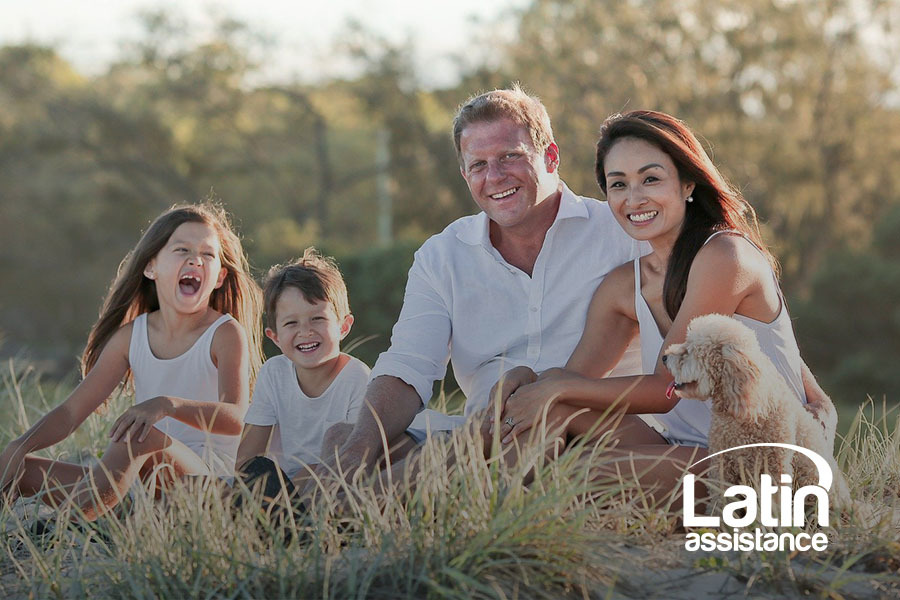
{"type": "Point", "coordinates": [473, 531]}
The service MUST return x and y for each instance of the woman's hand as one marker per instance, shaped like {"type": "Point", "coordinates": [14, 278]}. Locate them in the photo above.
{"type": "Point", "coordinates": [11, 461]}
{"type": "Point", "coordinates": [526, 406]}
{"type": "Point", "coordinates": [823, 411]}
{"type": "Point", "coordinates": [510, 382]}
{"type": "Point", "coordinates": [136, 422]}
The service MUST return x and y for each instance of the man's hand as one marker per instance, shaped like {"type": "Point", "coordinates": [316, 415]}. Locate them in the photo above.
{"type": "Point", "coordinates": [527, 405]}
{"type": "Point", "coordinates": [510, 382]}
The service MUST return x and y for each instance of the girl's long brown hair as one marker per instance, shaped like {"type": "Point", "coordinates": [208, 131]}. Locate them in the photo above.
{"type": "Point", "coordinates": [132, 294]}
{"type": "Point", "coordinates": [717, 205]}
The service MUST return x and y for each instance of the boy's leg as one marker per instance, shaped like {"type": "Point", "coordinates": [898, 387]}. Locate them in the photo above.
{"type": "Point", "coordinates": [124, 461]}
{"type": "Point", "coordinates": [274, 480]}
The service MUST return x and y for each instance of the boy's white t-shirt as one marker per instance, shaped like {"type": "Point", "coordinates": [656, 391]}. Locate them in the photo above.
{"type": "Point", "coordinates": [300, 421]}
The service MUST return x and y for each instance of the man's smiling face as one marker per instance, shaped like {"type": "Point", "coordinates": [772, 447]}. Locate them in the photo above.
{"type": "Point", "coordinates": [507, 176]}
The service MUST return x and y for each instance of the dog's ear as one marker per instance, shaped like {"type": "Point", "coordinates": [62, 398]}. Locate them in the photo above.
{"type": "Point", "coordinates": [737, 381]}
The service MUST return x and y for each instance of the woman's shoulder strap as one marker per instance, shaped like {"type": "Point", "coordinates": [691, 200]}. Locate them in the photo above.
{"type": "Point", "coordinates": [211, 330]}
{"type": "Point", "coordinates": [730, 231]}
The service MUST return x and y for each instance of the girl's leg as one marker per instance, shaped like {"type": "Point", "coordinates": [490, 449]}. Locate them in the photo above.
{"type": "Point", "coordinates": [55, 477]}
{"type": "Point", "coordinates": [123, 462]}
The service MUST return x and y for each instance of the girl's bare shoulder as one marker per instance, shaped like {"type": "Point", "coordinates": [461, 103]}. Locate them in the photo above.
{"type": "Point", "coordinates": [229, 334]}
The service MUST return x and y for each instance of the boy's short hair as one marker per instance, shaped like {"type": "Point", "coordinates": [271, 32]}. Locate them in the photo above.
{"type": "Point", "coordinates": [317, 277]}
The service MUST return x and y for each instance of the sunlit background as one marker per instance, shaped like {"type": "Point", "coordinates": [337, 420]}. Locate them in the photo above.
{"type": "Point", "coordinates": [327, 123]}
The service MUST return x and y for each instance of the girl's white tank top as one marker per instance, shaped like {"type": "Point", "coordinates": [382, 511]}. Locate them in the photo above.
{"type": "Point", "coordinates": [689, 421]}
{"type": "Point", "coordinates": [191, 375]}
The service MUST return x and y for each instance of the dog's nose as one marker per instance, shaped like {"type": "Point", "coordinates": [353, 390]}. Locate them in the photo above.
{"type": "Point", "coordinates": [664, 358]}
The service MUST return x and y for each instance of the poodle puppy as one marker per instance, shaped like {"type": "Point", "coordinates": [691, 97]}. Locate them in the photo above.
{"type": "Point", "coordinates": [721, 361]}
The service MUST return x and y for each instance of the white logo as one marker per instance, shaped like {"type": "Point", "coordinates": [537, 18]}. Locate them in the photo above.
{"type": "Point", "coordinates": [753, 507]}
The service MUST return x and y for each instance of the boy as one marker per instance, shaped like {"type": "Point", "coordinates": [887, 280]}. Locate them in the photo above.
{"type": "Point", "coordinates": [307, 398]}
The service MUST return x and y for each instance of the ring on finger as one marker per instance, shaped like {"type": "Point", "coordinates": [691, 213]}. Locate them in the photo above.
{"type": "Point", "coordinates": [509, 421]}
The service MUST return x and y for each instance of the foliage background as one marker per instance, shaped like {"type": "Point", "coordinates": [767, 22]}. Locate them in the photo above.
{"type": "Point", "coordinates": [797, 101]}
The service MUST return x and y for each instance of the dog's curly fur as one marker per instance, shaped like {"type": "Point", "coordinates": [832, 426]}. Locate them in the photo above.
{"type": "Point", "coordinates": [752, 403]}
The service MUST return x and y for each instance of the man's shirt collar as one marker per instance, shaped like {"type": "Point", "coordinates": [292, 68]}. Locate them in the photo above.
{"type": "Point", "coordinates": [477, 231]}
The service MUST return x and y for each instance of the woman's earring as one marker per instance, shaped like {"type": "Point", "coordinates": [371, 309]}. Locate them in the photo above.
{"type": "Point", "coordinates": [149, 275]}
{"type": "Point", "coordinates": [689, 199]}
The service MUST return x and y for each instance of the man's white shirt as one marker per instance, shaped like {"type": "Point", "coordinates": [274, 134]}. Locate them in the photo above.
{"type": "Point", "coordinates": [465, 303]}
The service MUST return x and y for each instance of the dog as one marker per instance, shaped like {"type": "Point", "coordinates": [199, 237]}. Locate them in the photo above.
{"type": "Point", "coordinates": [721, 361]}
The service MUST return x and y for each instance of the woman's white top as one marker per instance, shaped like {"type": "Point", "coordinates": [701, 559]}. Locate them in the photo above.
{"type": "Point", "coordinates": [191, 375]}
{"type": "Point", "coordinates": [688, 422]}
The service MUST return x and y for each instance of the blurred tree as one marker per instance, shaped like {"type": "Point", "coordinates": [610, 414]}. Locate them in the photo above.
{"type": "Point", "coordinates": [796, 100]}
{"type": "Point", "coordinates": [851, 322]}
{"type": "Point", "coordinates": [426, 187]}
{"type": "Point", "coordinates": [794, 97]}
{"type": "Point", "coordinates": [376, 281]}
{"type": "Point", "coordinates": [77, 179]}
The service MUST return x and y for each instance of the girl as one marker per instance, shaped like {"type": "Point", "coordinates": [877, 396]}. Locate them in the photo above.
{"type": "Point", "coordinates": [174, 320]}
{"type": "Point", "coordinates": [707, 257]}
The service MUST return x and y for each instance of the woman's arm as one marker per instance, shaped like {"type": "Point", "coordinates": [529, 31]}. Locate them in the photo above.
{"type": "Point", "coordinates": [721, 276]}
{"type": "Point", "coordinates": [60, 422]}
{"type": "Point", "coordinates": [819, 404]}
{"type": "Point", "coordinates": [610, 326]}
{"type": "Point", "coordinates": [232, 359]}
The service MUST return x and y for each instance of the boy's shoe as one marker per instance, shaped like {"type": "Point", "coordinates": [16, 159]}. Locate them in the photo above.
{"type": "Point", "coordinates": [263, 471]}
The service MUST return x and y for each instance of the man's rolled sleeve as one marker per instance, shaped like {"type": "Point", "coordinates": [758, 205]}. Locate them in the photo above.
{"type": "Point", "coordinates": [420, 340]}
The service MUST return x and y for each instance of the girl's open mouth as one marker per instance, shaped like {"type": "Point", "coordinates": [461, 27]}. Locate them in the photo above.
{"type": "Point", "coordinates": [189, 285]}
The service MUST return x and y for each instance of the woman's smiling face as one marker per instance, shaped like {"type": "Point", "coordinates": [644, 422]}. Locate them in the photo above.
{"type": "Point", "coordinates": [644, 190]}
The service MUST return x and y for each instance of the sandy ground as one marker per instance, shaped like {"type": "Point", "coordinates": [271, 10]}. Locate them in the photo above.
{"type": "Point", "coordinates": [665, 572]}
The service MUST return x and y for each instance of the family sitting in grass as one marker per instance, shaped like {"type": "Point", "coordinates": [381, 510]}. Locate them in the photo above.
{"type": "Point", "coordinates": [536, 301]}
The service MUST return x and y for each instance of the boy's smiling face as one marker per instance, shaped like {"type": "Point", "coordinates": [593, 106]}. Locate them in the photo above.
{"type": "Point", "coordinates": [308, 333]}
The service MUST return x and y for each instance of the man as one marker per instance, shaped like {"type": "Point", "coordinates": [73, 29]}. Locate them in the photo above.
{"type": "Point", "coordinates": [509, 286]}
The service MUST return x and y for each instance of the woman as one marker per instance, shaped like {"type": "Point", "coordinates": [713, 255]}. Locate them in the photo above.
{"type": "Point", "coordinates": [707, 257]}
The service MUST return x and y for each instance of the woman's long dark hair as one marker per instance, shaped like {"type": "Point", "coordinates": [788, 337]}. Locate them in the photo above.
{"type": "Point", "coordinates": [717, 206]}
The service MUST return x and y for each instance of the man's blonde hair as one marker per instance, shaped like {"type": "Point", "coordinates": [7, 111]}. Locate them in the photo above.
{"type": "Point", "coordinates": [514, 104]}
